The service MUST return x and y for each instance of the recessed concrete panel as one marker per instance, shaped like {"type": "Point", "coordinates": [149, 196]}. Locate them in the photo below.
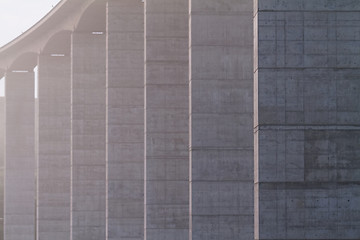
{"type": "Point", "coordinates": [54, 173]}
{"type": "Point", "coordinates": [221, 94]}
{"type": "Point", "coordinates": [19, 214]}
{"type": "Point", "coordinates": [88, 165]}
{"type": "Point", "coordinates": [125, 120]}
{"type": "Point", "coordinates": [167, 118]}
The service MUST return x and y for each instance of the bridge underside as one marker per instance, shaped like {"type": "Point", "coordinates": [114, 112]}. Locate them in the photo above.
{"type": "Point", "coordinates": [184, 120]}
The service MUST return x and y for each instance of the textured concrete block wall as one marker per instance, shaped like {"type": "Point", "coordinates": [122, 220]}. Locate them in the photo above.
{"type": "Point", "coordinates": [88, 151]}
{"type": "Point", "coordinates": [221, 119]}
{"type": "Point", "coordinates": [166, 120]}
{"type": "Point", "coordinates": [307, 119]}
{"type": "Point", "coordinates": [125, 120]}
{"type": "Point", "coordinates": [54, 144]}
{"type": "Point", "coordinates": [19, 214]}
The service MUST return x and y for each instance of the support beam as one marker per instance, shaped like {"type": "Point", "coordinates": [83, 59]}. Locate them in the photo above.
{"type": "Point", "coordinates": [53, 189]}
{"type": "Point", "coordinates": [20, 156]}
{"type": "Point", "coordinates": [167, 118]}
{"type": "Point", "coordinates": [125, 120]}
{"type": "Point", "coordinates": [88, 179]}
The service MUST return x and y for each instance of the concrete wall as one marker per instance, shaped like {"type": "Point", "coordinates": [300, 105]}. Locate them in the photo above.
{"type": "Point", "coordinates": [88, 152]}
{"type": "Point", "coordinates": [53, 191]}
{"type": "Point", "coordinates": [307, 116]}
{"type": "Point", "coordinates": [2, 164]}
{"type": "Point", "coordinates": [221, 116]}
{"type": "Point", "coordinates": [20, 156]}
{"type": "Point", "coordinates": [166, 120]}
{"type": "Point", "coordinates": [125, 120]}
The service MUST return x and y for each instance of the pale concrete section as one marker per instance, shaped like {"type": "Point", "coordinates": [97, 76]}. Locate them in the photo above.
{"type": "Point", "coordinates": [20, 156]}
{"type": "Point", "coordinates": [307, 134]}
{"type": "Point", "coordinates": [125, 120]}
{"type": "Point", "coordinates": [167, 113]}
{"type": "Point", "coordinates": [53, 189]}
{"type": "Point", "coordinates": [221, 81]}
{"type": "Point", "coordinates": [2, 162]}
{"type": "Point", "coordinates": [88, 167]}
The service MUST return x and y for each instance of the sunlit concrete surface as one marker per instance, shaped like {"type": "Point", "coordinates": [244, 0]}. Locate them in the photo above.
{"type": "Point", "coordinates": [184, 120]}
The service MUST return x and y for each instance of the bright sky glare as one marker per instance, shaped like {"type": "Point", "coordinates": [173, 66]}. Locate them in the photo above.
{"type": "Point", "coordinates": [17, 16]}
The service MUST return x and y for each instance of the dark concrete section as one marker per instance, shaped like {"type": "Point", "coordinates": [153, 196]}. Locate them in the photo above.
{"type": "Point", "coordinates": [307, 120]}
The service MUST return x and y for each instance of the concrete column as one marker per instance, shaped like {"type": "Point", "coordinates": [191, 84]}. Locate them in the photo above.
{"type": "Point", "coordinates": [221, 88]}
{"type": "Point", "coordinates": [307, 119]}
{"type": "Point", "coordinates": [167, 117]}
{"type": "Point", "coordinates": [88, 188]}
{"type": "Point", "coordinates": [53, 190]}
{"type": "Point", "coordinates": [125, 120]}
{"type": "Point", "coordinates": [19, 156]}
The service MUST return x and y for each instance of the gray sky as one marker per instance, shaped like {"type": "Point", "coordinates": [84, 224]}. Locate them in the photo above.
{"type": "Point", "coordinates": [17, 16]}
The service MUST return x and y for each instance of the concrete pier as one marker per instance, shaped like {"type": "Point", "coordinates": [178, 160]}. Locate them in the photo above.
{"type": "Point", "coordinates": [221, 118]}
{"type": "Point", "coordinates": [88, 152]}
{"type": "Point", "coordinates": [125, 120]}
{"type": "Point", "coordinates": [19, 213]}
{"type": "Point", "coordinates": [166, 120]}
{"type": "Point", "coordinates": [54, 144]}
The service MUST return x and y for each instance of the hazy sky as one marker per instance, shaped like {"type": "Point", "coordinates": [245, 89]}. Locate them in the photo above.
{"type": "Point", "coordinates": [17, 16]}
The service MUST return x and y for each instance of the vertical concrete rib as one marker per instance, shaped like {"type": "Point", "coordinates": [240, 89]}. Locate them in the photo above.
{"type": "Point", "coordinates": [221, 82]}
{"type": "Point", "coordinates": [19, 156]}
{"type": "Point", "coordinates": [125, 120]}
{"type": "Point", "coordinates": [166, 124]}
{"type": "Point", "coordinates": [88, 188]}
{"type": "Point", "coordinates": [53, 189]}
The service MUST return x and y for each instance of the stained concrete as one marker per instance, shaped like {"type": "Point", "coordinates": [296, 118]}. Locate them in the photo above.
{"type": "Point", "coordinates": [88, 133]}
{"type": "Point", "coordinates": [166, 120]}
{"type": "Point", "coordinates": [125, 120]}
{"type": "Point", "coordinates": [54, 144]}
{"type": "Point", "coordinates": [221, 118]}
{"type": "Point", "coordinates": [307, 116]}
{"type": "Point", "coordinates": [19, 208]}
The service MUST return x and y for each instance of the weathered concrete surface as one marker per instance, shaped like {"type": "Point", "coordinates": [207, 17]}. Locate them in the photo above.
{"type": "Point", "coordinates": [54, 144]}
{"type": "Point", "coordinates": [221, 82]}
{"type": "Point", "coordinates": [88, 166]}
{"type": "Point", "coordinates": [166, 120]}
{"type": "Point", "coordinates": [307, 119]}
{"type": "Point", "coordinates": [125, 120]}
{"type": "Point", "coordinates": [19, 156]}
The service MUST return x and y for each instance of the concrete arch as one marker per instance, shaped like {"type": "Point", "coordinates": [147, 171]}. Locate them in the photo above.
{"type": "Point", "coordinates": [93, 19]}
{"type": "Point", "coordinates": [24, 62]}
{"type": "Point", "coordinates": [58, 44]}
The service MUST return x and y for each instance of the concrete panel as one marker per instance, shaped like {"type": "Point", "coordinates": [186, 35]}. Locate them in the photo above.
{"type": "Point", "coordinates": [88, 165]}
{"type": "Point", "coordinates": [2, 164]}
{"type": "Point", "coordinates": [19, 156]}
{"type": "Point", "coordinates": [166, 120]}
{"type": "Point", "coordinates": [125, 120]}
{"type": "Point", "coordinates": [221, 146]}
{"type": "Point", "coordinates": [54, 146]}
{"type": "Point", "coordinates": [307, 119]}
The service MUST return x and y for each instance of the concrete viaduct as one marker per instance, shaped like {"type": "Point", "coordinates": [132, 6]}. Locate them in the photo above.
{"type": "Point", "coordinates": [184, 120]}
